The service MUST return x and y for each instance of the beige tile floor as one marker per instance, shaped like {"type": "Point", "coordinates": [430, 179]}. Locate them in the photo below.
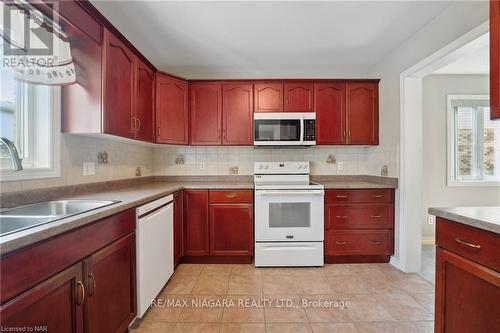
{"type": "Point", "coordinates": [381, 299]}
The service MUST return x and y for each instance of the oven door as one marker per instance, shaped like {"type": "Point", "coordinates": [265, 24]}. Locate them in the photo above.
{"type": "Point", "coordinates": [289, 215]}
{"type": "Point", "coordinates": [278, 132]}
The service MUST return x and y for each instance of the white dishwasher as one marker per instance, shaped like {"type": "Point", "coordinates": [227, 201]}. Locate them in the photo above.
{"type": "Point", "coordinates": [154, 250]}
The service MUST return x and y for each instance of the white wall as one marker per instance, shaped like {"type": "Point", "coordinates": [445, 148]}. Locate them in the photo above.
{"type": "Point", "coordinates": [458, 19]}
{"type": "Point", "coordinates": [435, 191]}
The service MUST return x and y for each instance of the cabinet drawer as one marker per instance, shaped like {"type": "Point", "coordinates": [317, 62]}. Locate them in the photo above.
{"type": "Point", "coordinates": [477, 245]}
{"type": "Point", "coordinates": [358, 242]}
{"type": "Point", "coordinates": [228, 196]}
{"type": "Point", "coordinates": [358, 216]}
{"type": "Point", "coordinates": [364, 195]}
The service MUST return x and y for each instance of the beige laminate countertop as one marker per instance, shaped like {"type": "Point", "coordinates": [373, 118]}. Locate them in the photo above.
{"type": "Point", "coordinates": [129, 197]}
{"type": "Point", "coordinates": [136, 195]}
{"type": "Point", "coordinates": [485, 218]}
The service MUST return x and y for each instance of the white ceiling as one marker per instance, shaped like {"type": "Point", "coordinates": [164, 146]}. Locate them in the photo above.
{"type": "Point", "coordinates": [476, 62]}
{"type": "Point", "coordinates": [268, 39]}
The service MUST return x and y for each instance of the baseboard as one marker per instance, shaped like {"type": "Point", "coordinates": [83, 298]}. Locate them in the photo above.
{"type": "Point", "coordinates": [396, 263]}
{"type": "Point", "coordinates": [428, 241]}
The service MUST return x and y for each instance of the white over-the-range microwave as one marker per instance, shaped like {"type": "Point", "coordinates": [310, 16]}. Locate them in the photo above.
{"type": "Point", "coordinates": [284, 129]}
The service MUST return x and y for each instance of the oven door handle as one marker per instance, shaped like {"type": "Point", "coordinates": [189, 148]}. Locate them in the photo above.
{"type": "Point", "coordinates": [290, 193]}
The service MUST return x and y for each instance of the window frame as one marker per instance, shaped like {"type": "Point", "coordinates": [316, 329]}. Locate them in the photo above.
{"type": "Point", "coordinates": [451, 164]}
{"type": "Point", "coordinates": [29, 173]}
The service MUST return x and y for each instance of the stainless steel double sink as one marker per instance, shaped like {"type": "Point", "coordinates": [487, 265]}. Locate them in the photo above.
{"type": "Point", "coordinates": [29, 216]}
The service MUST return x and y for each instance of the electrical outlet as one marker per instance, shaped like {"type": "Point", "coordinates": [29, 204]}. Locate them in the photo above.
{"type": "Point", "coordinates": [340, 166]}
{"type": "Point", "coordinates": [88, 168]}
{"type": "Point", "coordinates": [202, 166]}
{"type": "Point", "coordinates": [431, 219]}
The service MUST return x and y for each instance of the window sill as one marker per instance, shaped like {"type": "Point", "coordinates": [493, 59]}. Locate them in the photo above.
{"type": "Point", "coordinates": [473, 183]}
{"type": "Point", "coordinates": [29, 174]}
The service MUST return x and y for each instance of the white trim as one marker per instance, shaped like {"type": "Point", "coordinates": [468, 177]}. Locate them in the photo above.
{"type": "Point", "coordinates": [54, 147]}
{"type": "Point", "coordinates": [396, 263]}
{"type": "Point", "coordinates": [428, 241]}
{"type": "Point", "coordinates": [410, 212]}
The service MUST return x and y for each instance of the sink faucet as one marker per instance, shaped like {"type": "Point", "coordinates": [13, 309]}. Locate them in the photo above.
{"type": "Point", "coordinates": [14, 156]}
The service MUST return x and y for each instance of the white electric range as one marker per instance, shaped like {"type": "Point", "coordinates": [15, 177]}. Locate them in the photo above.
{"type": "Point", "coordinates": [289, 215]}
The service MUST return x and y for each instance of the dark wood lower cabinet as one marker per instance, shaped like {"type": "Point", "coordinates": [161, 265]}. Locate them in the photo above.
{"type": "Point", "coordinates": [467, 295]}
{"type": "Point", "coordinates": [218, 226]}
{"type": "Point", "coordinates": [110, 277]}
{"type": "Point", "coordinates": [95, 294]}
{"type": "Point", "coordinates": [178, 226]}
{"type": "Point", "coordinates": [231, 229]}
{"type": "Point", "coordinates": [55, 304]}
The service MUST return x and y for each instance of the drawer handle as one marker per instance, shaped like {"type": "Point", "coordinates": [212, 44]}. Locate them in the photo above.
{"type": "Point", "coordinates": [377, 242]}
{"type": "Point", "coordinates": [342, 196]}
{"type": "Point", "coordinates": [376, 216]}
{"type": "Point", "coordinates": [80, 289]}
{"type": "Point", "coordinates": [231, 195]}
{"type": "Point", "coordinates": [341, 216]}
{"type": "Point", "coordinates": [376, 195]}
{"type": "Point", "coordinates": [91, 277]}
{"type": "Point", "coordinates": [458, 240]}
{"type": "Point", "coordinates": [340, 243]}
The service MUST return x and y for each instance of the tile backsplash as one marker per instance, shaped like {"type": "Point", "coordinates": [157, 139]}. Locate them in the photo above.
{"type": "Point", "coordinates": [123, 159]}
{"type": "Point", "coordinates": [224, 160]}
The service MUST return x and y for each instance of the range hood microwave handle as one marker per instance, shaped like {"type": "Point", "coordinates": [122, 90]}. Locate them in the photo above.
{"type": "Point", "coordinates": [290, 193]}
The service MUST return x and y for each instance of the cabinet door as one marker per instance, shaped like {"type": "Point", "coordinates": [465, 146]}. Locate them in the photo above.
{"type": "Point", "coordinates": [206, 114]}
{"type": "Point", "coordinates": [330, 113]}
{"type": "Point", "coordinates": [237, 114]}
{"type": "Point", "coordinates": [299, 97]}
{"type": "Point", "coordinates": [459, 282]}
{"type": "Point", "coordinates": [494, 59]}
{"type": "Point", "coordinates": [56, 304]}
{"type": "Point", "coordinates": [144, 102]}
{"type": "Point", "coordinates": [362, 113]}
{"type": "Point", "coordinates": [110, 284]}
{"type": "Point", "coordinates": [178, 237]}
{"type": "Point", "coordinates": [268, 97]}
{"type": "Point", "coordinates": [172, 113]}
{"type": "Point", "coordinates": [231, 229]}
{"type": "Point", "coordinates": [196, 222]}
{"type": "Point", "coordinates": [119, 71]}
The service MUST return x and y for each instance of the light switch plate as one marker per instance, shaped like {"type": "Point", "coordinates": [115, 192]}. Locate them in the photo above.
{"type": "Point", "coordinates": [340, 166]}
{"type": "Point", "coordinates": [431, 219]}
{"type": "Point", "coordinates": [88, 168]}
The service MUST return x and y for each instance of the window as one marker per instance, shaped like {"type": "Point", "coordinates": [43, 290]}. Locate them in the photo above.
{"type": "Point", "coordinates": [30, 118]}
{"type": "Point", "coordinates": [473, 142]}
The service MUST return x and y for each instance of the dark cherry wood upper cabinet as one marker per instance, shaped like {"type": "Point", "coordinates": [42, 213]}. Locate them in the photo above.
{"type": "Point", "coordinates": [82, 101]}
{"type": "Point", "coordinates": [196, 233]}
{"type": "Point", "coordinates": [268, 97]}
{"type": "Point", "coordinates": [205, 114]}
{"type": "Point", "coordinates": [362, 113]}
{"type": "Point", "coordinates": [110, 288]}
{"type": "Point", "coordinates": [330, 109]}
{"type": "Point", "coordinates": [172, 112]}
{"type": "Point", "coordinates": [237, 114]}
{"type": "Point", "coordinates": [57, 303]}
{"type": "Point", "coordinates": [119, 74]}
{"type": "Point", "coordinates": [494, 59]}
{"type": "Point", "coordinates": [178, 232]}
{"type": "Point", "coordinates": [299, 97]}
{"type": "Point", "coordinates": [143, 118]}
{"type": "Point", "coordinates": [231, 229]}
